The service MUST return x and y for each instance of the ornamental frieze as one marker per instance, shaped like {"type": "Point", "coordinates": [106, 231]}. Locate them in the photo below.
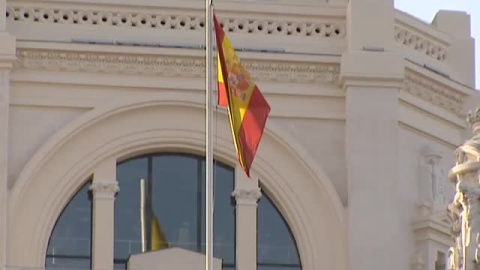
{"type": "Point", "coordinates": [434, 93]}
{"type": "Point", "coordinates": [163, 65]}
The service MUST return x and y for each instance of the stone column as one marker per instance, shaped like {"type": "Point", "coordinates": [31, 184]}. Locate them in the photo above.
{"type": "Point", "coordinates": [464, 211]}
{"type": "Point", "coordinates": [246, 194]}
{"type": "Point", "coordinates": [372, 74]}
{"type": "Point", "coordinates": [104, 188]}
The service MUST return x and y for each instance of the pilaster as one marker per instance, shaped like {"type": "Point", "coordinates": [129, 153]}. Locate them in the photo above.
{"type": "Point", "coordinates": [246, 195]}
{"type": "Point", "coordinates": [7, 56]}
{"type": "Point", "coordinates": [104, 188]}
{"type": "Point", "coordinates": [431, 229]}
{"type": "Point", "coordinates": [372, 75]}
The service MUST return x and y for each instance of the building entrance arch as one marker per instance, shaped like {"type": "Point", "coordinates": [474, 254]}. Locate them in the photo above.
{"type": "Point", "coordinates": [296, 184]}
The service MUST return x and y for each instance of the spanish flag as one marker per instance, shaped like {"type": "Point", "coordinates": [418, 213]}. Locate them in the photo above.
{"type": "Point", "coordinates": [247, 108]}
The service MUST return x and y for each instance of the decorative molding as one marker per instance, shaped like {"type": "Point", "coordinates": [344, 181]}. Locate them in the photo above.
{"type": "Point", "coordinates": [162, 65]}
{"type": "Point", "coordinates": [104, 190]}
{"type": "Point", "coordinates": [421, 43]}
{"type": "Point", "coordinates": [247, 196]}
{"type": "Point", "coordinates": [140, 19]}
{"type": "Point", "coordinates": [435, 93]}
{"type": "Point", "coordinates": [431, 236]}
{"type": "Point", "coordinates": [432, 186]}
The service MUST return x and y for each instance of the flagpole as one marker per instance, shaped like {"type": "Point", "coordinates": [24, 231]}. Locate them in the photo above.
{"type": "Point", "coordinates": [208, 137]}
{"type": "Point", "coordinates": [143, 223]}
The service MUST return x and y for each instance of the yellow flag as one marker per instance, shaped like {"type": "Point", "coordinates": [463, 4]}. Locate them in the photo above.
{"type": "Point", "coordinates": [159, 240]}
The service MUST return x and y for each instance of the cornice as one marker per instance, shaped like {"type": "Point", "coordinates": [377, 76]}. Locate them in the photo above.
{"type": "Point", "coordinates": [434, 225]}
{"type": "Point", "coordinates": [418, 85]}
{"type": "Point", "coordinates": [170, 65]}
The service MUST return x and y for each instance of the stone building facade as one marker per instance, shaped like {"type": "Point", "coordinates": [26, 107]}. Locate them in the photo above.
{"type": "Point", "coordinates": [368, 106]}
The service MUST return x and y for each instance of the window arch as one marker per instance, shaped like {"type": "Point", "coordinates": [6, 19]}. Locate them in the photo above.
{"type": "Point", "coordinates": [175, 186]}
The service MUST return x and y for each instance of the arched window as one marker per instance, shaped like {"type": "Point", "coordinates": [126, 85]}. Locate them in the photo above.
{"type": "Point", "coordinates": [174, 216]}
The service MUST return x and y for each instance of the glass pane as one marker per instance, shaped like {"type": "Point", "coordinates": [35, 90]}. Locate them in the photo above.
{"type": "Point", "coordinates": [127, 207]}
{"type": "Point", "coordinates": [276, 246]}
{"type": "Point", "coordinates": [70, 242]}
{"type": "Point", "coordinates": [66, 263]}
{"type": "Point", "coordinates": [224, 216]}
{"type": "Point", "coordinates": [175, 199]}
{"type": "Point", "coordinates": [120, 265]}
{"type": "Point", "coordinates": [278, 267]}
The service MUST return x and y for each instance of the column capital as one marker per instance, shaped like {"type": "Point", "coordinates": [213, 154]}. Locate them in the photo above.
{"type": "Point", "coordinates": [247, 196]}
{"type": "Point", "coordinates": [104, 189]}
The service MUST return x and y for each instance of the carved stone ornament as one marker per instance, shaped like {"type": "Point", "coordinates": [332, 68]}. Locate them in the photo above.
{"type": "Point", "coordinates": [434, 188]}
{"type": "Point", "coordinates": [167, 66]}
{"type": "Point", "coordinates": [421, 43]}
{"type": "Point", "coordinates": [464, 211]}
{"type": "Point", "coordinates": [163, 19]}
{"type": "Point", "coordinates": [473, 118]}
{"type": "Point", "coordinates": [104, 190]}
{"type": "Point", "coordinates": [435, 93]}
{"type": "Point", "coordinates": [247, 196]}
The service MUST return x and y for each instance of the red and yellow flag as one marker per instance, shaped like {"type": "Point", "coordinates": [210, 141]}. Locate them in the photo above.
{"type": "Point", "coordinates": [247, 108]}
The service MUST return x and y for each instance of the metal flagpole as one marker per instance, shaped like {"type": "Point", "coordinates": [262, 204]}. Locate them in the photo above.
{"type": "Point", "coordinates": [143, 223]}
{"type": "Point", "coordinates": [208, 137]}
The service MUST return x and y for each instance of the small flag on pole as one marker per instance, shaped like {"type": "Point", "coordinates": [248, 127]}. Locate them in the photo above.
{"type": "Point", "coordinates": [247, 108]}
{"type": "Point", "coordinates": [159, 239]}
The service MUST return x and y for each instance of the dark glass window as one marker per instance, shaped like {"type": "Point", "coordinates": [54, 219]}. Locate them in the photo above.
{"type": "Point", "coordinates": [70, 243]}
{"type": "Point", "coordinates": [175, 187]}
{"type": "Point", "coordinates": [276, 248]}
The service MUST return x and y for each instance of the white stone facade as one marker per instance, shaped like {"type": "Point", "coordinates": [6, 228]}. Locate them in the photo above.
{"type": "Point", "coordinates": [368, 107]}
